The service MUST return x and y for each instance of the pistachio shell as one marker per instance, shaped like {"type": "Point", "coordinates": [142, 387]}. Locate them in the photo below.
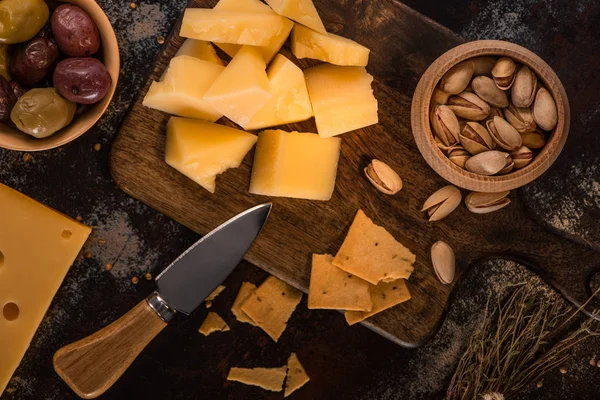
{"type": "Point", "coordinates": [521, 157]}
{"type": "Point", "coordinates": [504, 73]}
{"type": "Point", "coordinates": [504, 134]}
{"type": "Point", "coordinates": [383, 177]}
{"type": "Point", "coordinates": [483, 65]}
{"type": "Point", "coordinates": [510, 165]}
{"type": "Point", "coordinates": [487, 163]}
{"type": "Point", "coordinates": [469, 106]}
{"type": "Point", "coordinates": [482, 203]}
{"type": "Point", "coordinates": [520, 117]}
{"type": "Point", "coordinates": [457, 78]}
{"type": "Point", "coordinates": [524, 87]}
{"type": "Point", "coordinates": [533, 140]}
{"type": "Point", "coordinates": [475, 138]}
{"type": "Point", "coordinates": [441, 203]}
{"type": "Point", "coordinates": [459, 156]}
{"type": "Point", "coordinates": [485, 88]}
{"type": "Point", "coordinates": [439, 97]}
{"type": "Point", "coordinates": [544, 110]}
{"type": "Point", "coordinates": [443, 147]}
{"type": "Point", "coordinates": [445, 125]}
{"type": "Point", "coordinates": [444, 261]}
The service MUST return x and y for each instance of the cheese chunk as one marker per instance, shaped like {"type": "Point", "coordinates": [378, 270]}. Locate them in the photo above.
{"type": "Point", "coordinates": [37, 247]}
{"type": "Point", "coordinates": [328, 47]}
{"type": "Point", "coordinates": [293, 164]}
{"type": "Point", "coordinates": [243, 87]}
{"type": "Point", "coordinates": [342, 98]}
{"type": "Point", "coordinates": [290, 101]}
{"type": "Point", "coordinates": [255, 6]}
{"type": "Point", "coordinates": [230, 26]}
{"type": "Point", "coordinates": [201, 150]}
{"type": "Point", "coordinates": [301, 11]}
{"type": "Point", "coordinates": [201, 50]}
{"type": "Point", "coordinates": [182, 88]}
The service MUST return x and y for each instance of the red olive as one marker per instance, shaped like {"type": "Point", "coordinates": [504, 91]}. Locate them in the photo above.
{"type": "Point", "coordinates": [83, 80]}
{"type": "Point", "coordinates": [32, 60]}
{"type": "Point", "coordinates": [74, 31]}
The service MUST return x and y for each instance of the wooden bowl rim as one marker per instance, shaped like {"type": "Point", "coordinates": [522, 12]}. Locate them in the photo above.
{"type": "Point", "coordinates": [441, 164]}
{"type": "Point", "coordinates": [12, 139]}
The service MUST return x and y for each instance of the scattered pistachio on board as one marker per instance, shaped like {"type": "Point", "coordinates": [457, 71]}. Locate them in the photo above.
{"type": "Point", "coordinates": [483, 203]}
{"type": "Point", "coordinates": [440, 204]}
{"type": "Point", "coordinates": [383, 177]}
{"type": "Point", "coordinates": [444, 262]}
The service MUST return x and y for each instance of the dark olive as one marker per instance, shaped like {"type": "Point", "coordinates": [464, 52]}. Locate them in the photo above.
{"type": "Point", "coordinates": [21, 20]}
{"type": "Point", "coordinates": [32, 60]}
{"type": "Point", "coordinates": [17, 89]}
{"type": "Point", "coordinates": [5, 61]}
{"type": "Point", "coordinates": [84, 80]}
{"type": "Point", "coordinates": [75, 31]}
{"type": "Point", "coordinates": [7, 99]}
{"type": "Point", "coordinates": [42, 112]}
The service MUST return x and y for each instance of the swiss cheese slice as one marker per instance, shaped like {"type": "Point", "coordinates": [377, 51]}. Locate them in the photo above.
{"type": "Point", "coordinates": [243, 87]}
{"type": "Point", "coordinates": [290, 101]}
{"type": "Point", "coordinates": [294, 164]}
{"type": "Point", "coordinates": [334, 49]}
{"type": "Point", "coordinates": [342, 98]}
{"type": "Point", "coordinates": [301, 11]}
{"type": "Point", "coordinates": [199, 49]}
{"type": "Point", "coordinates": [256, 29]}
{"type": "Point", "coordinates": [182, 88]}
{"type": "Point", "coordinates": [255, 6]}
{"type": "Point", "coordinates": [201, 150]}
{"type": "Point", "coordinates": [37, 247]}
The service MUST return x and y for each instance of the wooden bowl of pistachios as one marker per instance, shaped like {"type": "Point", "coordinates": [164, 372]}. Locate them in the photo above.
{"type": "Point", "coordinates": [490, 116]}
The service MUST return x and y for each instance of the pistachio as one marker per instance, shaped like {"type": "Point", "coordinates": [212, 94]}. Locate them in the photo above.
{"type": "Point", "coordinates": [483, 203]}
{"type": "Point", "coordinates": [459, 156]}
{"type": "Point", "coordinates": [384, 178]}
{"type": "Point", "coordinates": [444, 262]}
{"type": "Point", "coordinates": [487, 163]}
{"type": "Point", "coordinates": [469, 105]}
{"type": "Point", "coordinates": [504, 72]}
{"type": "Point", "coordinates": [521, 157]}
{"type": "Point", "coordinates": [520, 117]}
{"type": "Point", "coordinates": [483, 65]}
{"type": "Point", "coordinates": [440, 204]}
{"type": "Point", "coordinates": [457, 78]}
{"type": "Point", "coordinates": [544, 110]}
{"type": "Point", "coordinates": [534, 140]}
{"type": "Point", "coordinates": [439, 97]}
{"type": "Point", "coordinates": [445, 125]}
{"type": "Point", "coordinates": [443, 147]}
{"type": "Point", "coordinates": [504, 134]}
{"type": "Point", "coordinates": [485, 88]}
{"type": "Point", "coordinates": [475, 138]}
{"type": "Point", "coordinates": [524, 87]}
{"type": "Point", "coordinates": [510, 165]}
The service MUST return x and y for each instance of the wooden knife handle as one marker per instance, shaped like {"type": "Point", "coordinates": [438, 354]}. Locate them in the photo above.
{"type": "Point", "coordinates": [92, 365]}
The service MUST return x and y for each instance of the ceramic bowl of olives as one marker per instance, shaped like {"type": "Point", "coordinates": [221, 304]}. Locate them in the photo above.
{"type": "Point", "coordinates": [59, 65]}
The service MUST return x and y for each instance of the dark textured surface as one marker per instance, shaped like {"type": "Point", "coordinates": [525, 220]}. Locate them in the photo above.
{"type": "Point", "coordinates": [343, 362]}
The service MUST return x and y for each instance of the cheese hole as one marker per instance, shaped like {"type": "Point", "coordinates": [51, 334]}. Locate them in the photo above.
{"type": "Point", "coordinates": [67, 234]}
{"type": "Point", "coordinates": [1, 259]}
{"type": "Point", "coordinates": [10, 311]}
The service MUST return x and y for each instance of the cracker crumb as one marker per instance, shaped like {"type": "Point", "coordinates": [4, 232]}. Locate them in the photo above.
{"type": "Point", "coordinates": [101, 242]}
{"type": "Point", "coordinates": [598, 364]}
{"type": "Point", "coordinates": [135, 280]}
{"type": "Point", "coordinates": [563, 370]}
{"type": "Point", "coordinates": [593, 360]}
{"type": "Point", "coordinates": [88, 254]}
{"type": "Point", "coordinates": [97, 146]}
{"type": "Point", "coordinates": [79, 218]}
{"type": "Point", "coordinates": [27, 157]}
{"type": "Point", "coordinates": [540, 384]}
{"type": "Point", "coordinates": [160, 39]}
{"type": "Point", "coordinates": [148, 276]}
{"type": "Point", "coordinates": [133, 6]}
{"type": "Point", "coordinates": [108, 267]}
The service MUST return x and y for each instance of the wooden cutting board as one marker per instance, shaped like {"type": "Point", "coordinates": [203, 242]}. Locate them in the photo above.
{"type": "Point", "coordinates": [403, 43]}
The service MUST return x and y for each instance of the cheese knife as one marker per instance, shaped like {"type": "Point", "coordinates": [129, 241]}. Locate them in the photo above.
{"type": "Point", "coordinates": [93, 364]}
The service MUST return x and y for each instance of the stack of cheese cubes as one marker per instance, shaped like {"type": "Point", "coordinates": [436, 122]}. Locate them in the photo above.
{"type": "Point", "coordinates": [258, 89]}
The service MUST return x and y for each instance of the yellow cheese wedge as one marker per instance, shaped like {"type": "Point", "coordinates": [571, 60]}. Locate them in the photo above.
{"type": "Point", "coordinates": [230, 26]}
{"type": "Point", "coordinates": [290, 101]}
{"type": "Point", "coordinates": [301, 11]}
{"type": "Point", "coordinates": [328, 47]}
{"type": "Point", "coordinates": [243, 87]}
{"type": "Point", "coordinates": [182, 88]}
{"type": "Point", "coordinates": [201, 150]}
{"type": "Point", "coordinates": [201, 50]}
{"type": "Point", "coordinates": [293, 164]}
{"type": "Point", "coordinates": [255, 6]}
{"type": "Point", "coordinates": [341, 97]}
{"type": "Point", "coordinates": [37, 247]}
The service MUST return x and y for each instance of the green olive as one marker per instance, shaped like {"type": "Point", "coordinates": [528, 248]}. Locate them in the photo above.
{"type": "Point", "coordinates": [4, 61]}
{"type": "Point", "coordinates": [21, 20]}
{"type": "Point", "coordinates": [42, 112]}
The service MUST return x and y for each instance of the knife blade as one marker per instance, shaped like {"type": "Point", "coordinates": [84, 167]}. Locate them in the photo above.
{"type": "Point", "coordinates": [92, 365]}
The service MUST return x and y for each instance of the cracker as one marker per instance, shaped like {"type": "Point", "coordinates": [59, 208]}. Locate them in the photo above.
{"type": "Point", "coordinates": [296, 375]}
{"type": "Point", "coordinates": [334, 289]}
{"type": "Point", "coordinates": [245, 291]}
{"type": "Point", "coordinates": [266, 378]}
{"type": "Point", "coordinates": [208, 301]}
{"type": "Point", "coordinates": [384, 296]}
{"type": "Point", "coordinates": [371, 253]}
{"type": "Point", "coordinates": [213, 323]}
{"type": "Point", "coordinates": [271, 305]}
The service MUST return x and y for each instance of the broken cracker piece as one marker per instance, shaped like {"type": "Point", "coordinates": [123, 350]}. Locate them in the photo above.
{"type": "Point", "coordinates": [271, 305]}
{"type": "Point", "coordinates": [334, 289]}
{"type": "Point", "coordinates": [384, 296]}
{"type": "Point", "coordinates": [371, 253]}
{"type": "Point", "coordinates": [213, 323]}
{"type": "Point", "coordinates": [266, 378]}
{"type": "Point", "coordinates": [296, 375]}
{"type": "Point", "coordinates": [245, 291]}
{"type": "Point", "coordinates": [208, 301]}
